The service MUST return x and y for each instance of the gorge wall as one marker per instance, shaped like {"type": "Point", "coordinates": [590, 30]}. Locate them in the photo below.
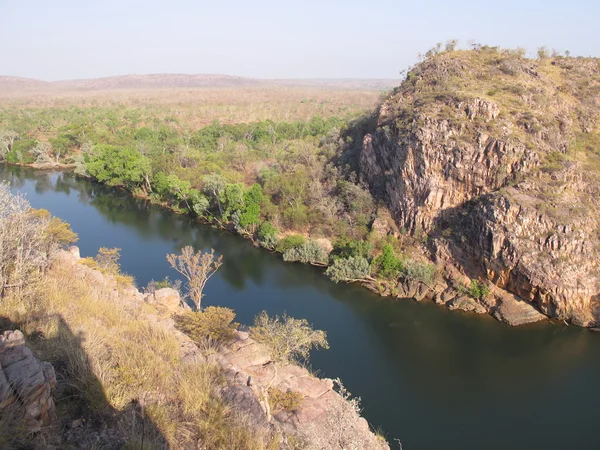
{"type": "Point", "coordinates": [496, 159]}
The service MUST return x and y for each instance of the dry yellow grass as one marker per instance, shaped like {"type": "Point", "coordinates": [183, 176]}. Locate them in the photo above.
{"type": "Point", "coordinates": [112, 359]}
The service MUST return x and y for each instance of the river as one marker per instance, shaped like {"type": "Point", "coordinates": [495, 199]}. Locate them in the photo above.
{"type": "Point", "coordinates": [432, 378]}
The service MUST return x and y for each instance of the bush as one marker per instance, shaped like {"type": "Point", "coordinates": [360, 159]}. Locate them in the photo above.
{"type": "Point", "coordinates": [267, 235]}
{"type": "Point", "coordinates": [287, 401]}
{"type": "Point", "coordinates": [309, 252]}
{"type": "Point", "coordinates": [348, 269]}
{"type": "Point", "coordinates": [478, 290]}
{"type": "Point", "coordinates": [288, 339]}
{"type": "Point", "coordinates": [213, 325]}
{"type": "Point", "coordinates": [289, 242]}
{"type": "Point", "coordinates": [387, 264]}
{"type": "Point", "coordinates": [420, 271]}
{"type": "Point", "coordinates": [353, 248]}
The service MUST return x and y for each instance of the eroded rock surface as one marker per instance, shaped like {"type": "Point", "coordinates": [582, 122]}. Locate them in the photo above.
{"type": "Point", "coordinates": [26, 383]}
{"type": "Point", "coordinates": [502, 193]}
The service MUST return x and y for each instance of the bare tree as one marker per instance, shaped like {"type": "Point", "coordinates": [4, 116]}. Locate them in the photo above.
{"type": "Point", "coordinates": [197, 268]}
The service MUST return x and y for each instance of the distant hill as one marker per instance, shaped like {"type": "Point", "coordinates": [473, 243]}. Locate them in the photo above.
{"type": "Point", "coordinates": [169, 81]}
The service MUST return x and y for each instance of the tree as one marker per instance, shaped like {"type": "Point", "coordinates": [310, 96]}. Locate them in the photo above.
{"type": "Point", "coordinates": [118, 166]}
{"type": "Point", "coordinates": [214, 184]}
{"type": "Point", "coordinates": [7, 139]}
{"type": "Point", "coordinates": [28, 238]}
{"type": "Point", "coordinates": [232, 200]}
{"type": "Point", "coordinates": [197, 268]}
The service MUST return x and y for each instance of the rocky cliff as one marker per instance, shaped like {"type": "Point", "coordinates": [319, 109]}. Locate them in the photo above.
{"type": "Point", "coordinates": [495, 158]}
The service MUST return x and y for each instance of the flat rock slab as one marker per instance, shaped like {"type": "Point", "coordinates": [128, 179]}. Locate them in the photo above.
{"type": "Point", "coordinates": [514, 311]}
{"type": "Point", "coordinates": [467, 304]}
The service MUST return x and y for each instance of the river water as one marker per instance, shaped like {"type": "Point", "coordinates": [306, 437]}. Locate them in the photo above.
{"type": "Point", "coordinates": [432, 378]}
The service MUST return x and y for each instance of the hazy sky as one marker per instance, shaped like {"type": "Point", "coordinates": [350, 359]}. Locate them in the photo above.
{"type": "Point", "coordinates": [64, 39]}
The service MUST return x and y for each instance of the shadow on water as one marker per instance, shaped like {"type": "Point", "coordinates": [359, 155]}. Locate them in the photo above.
{"type": "Point", "coordinates": [434, 378]}
{"type": "Point", "coordinates": [79, 394]}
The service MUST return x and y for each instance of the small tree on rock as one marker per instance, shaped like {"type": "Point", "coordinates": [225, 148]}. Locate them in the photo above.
{"type": "Point", "coordinates": [197, 268]}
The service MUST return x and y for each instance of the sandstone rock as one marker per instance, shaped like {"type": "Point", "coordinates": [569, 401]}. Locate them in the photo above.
{"type": "Point", "coordinates": [514, 311]}
{"type": "Point", "coordinates": [170, 299]}
{"type": "Point", "coordinates": [468, 304]}
{"type": "Point", "coordinates": [452, 165]}
{"type": "Point", "coordinates": [74, 251]}
{"type": "Point", "coordinates": [26, 381]}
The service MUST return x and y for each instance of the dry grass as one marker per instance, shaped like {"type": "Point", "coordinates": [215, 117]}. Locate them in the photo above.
{"type": "Point", "coordinates": [196, 107]}
{"type": "Point", "coordinates": [117, 366]}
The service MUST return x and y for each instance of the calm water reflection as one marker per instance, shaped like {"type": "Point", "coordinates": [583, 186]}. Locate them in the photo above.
{"type": "Point", "coordinates": [433, 378]}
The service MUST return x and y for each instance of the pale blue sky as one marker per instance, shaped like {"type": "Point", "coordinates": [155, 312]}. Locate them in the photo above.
{"type": "Point", "coordinates": [65, 39]}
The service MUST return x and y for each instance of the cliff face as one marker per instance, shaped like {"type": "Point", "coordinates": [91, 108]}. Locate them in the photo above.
{"type": "Point", "coordinates": [497, 159]}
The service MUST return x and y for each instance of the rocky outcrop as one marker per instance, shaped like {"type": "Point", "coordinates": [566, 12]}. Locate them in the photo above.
{"type": "Point", "coordinates": [324, 419]}
{"type": "Point", "coordinates": [503, 193]}
{"type": "Point", "coordinates": [26, 383]}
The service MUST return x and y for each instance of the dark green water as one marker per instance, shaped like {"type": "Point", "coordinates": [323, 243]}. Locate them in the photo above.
{"type": "Point", "coordinates": [432, 378]}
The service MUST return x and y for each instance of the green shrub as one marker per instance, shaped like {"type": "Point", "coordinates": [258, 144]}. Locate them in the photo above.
{"type": "Point", "coordinates": [348, 269]}
{"type": "Point", "coordinates": [267, 235]}
{"type": "Point", "coordinates": [309, 252]}
{"type": "Point", "coordinates": [213, 325]}
{"type": "Point", "coordinates": [419, 271]}
{"type": "Point", "coordinates": [478, 290]}
{"type": "Point", "coordinates": [387, 264]}
{"type": "Point", "coordinates": [289, 242]}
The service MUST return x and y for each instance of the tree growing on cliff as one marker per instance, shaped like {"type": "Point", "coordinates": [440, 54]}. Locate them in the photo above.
{"type": "Point", "coordinates": [197, 268]}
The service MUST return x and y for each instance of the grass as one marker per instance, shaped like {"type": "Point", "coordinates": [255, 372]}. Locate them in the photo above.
{"type": "Point", "coordinates": [117, 366]}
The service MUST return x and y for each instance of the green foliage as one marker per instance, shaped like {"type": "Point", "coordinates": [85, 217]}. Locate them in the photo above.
{"type": "Point", "coordinates": [308, 252]}
{"type": "Point", "coordinates": [250, 216]}
{"type": "Point", "coordinates": [214, 325]}
{"type": "Point", "coordinates": [267, 235]}
{"type": "Point", "coordinates": [290, 242]}
{"type": "Point", "coordinates": [287, 338]}
{"type": "Point", "coordinates": [117, 166]}
{"type": "Point", "coordinates": [346, 248]}
{"type": "Point", "coordinates": [214, 185]}
{"type": "Point", "coordinates": [232, 200]}
{"type": "Point", "coordinates": [199, 203]}
{"type": "Point", "coordinates": [419, 271]}
{"type": "Point", "coordinates": [478, 290]}
{"type": "Point", "coordinates": [387, 264]}
{"type": "Point", "coordinates": [349, 269]}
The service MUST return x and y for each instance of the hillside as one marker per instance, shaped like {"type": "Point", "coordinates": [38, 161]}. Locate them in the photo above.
{"type": "Point", "coordinates": [495, 159]}
{"type": "Point", "coordinates": [14, 85]}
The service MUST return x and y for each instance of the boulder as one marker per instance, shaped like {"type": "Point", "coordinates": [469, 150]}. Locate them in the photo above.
{"type": "Point", "coordinates": [468, 304]}
{"type": "Point", "coordinates": [26, 383]}
{"type": "Point", "coordinates": [170, 299]}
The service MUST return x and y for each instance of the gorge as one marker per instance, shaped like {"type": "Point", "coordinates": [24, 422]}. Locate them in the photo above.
{"type": "Point", "coordinates": [477, 382]}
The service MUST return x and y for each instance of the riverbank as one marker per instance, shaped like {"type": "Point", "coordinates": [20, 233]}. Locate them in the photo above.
{"type": "Point", "coordinates": [449, 288]}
